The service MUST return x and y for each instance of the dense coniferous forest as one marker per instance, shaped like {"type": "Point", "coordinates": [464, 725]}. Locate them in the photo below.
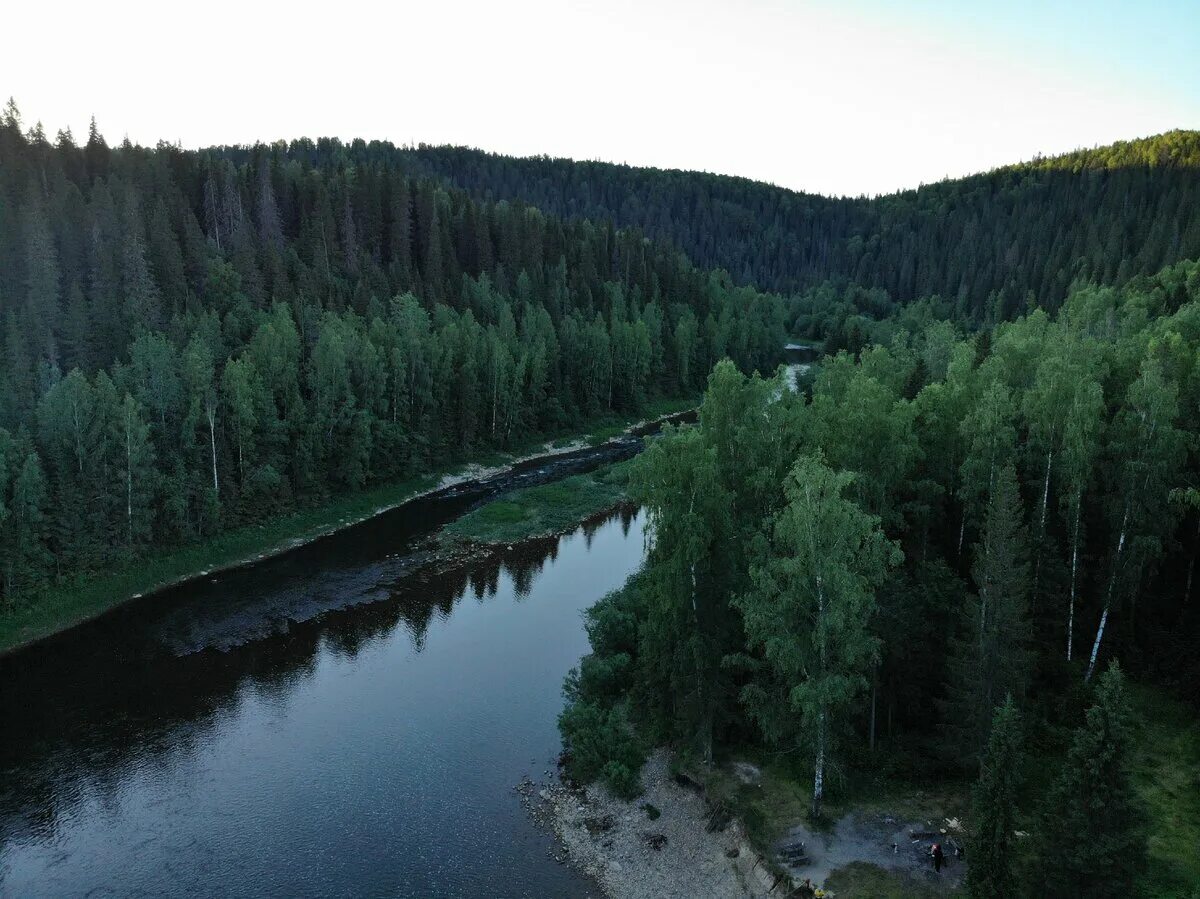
{"type": "Point", "coordinates": [986, 244]}
{"type": "Point", "coordinates": [197, 340]}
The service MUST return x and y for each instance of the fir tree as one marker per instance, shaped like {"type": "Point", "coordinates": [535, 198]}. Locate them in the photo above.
{"type": "Point", "coordinates": [991, 873]}
{"type": "Point", "coordinates": [990, 657]}
{"type": "Point", "coordinates": [1093, 819]}
{"type": "Point", "coordinates": [42, 299]}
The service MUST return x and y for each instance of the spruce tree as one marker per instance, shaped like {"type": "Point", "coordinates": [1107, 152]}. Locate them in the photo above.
{"type": "Point", "coordinates": [993, 809]}
{"type": "Point", "coordinates": [95, 151]}
{"type": "Point", "coordinates": [685, 632]}
{"type": "Point", "coordinates": [990, 657]}
{"type": "Point", "coordinates": [1093, 820]}
{"type": "Point", "coordinates": [42, 300]}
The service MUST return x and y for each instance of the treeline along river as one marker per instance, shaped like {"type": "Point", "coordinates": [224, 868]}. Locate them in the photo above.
{"type": "Point", "coordinates": [347, 719]}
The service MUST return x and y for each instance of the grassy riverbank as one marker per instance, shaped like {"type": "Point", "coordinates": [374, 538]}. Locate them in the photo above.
{"type": "Point", "coordinates": [82, 597]}
{"type": "Point", "coordinates": [73, 600]}
{"type": "Point", "coordinates": [553, 508]}
{"type": "Point", "coordinates": [546, 509]}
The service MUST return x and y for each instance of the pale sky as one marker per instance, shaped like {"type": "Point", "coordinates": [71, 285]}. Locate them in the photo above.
{"type": "Point", "coordinates": [859, 96]}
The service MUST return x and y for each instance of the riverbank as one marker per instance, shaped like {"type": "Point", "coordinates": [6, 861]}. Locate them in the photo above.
{"type": "Point", "coordinates": [544, 511]}
{"type": "Point", "coordinates": [724, 835]}
{"type": "Point", "coordinates": [297, 718]}
{"type": "Point", "coordinates": [84, 597]}
{"type": "Point", "coordinates": [877, 842]}
{"type": "Point", "coordinates": [657, 845]}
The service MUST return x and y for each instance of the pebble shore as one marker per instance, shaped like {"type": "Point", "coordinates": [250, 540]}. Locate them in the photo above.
{"type": "Point", "coordinates": [632, 855]}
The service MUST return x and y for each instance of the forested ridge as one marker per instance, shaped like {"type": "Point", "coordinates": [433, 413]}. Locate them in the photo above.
{"type": "Point", "coordinates": [935, 562]}
{"type": "Point", "coordinates": [986, 243]}
{"type": "Point", "coordinates": [193, 341]}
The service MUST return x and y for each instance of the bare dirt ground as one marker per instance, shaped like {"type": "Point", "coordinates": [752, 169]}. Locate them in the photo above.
{"type": "Point", "coordinates": [878, 839]}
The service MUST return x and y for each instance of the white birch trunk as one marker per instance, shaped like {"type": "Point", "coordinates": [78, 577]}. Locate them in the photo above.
{"type": "Point", "coordinates": [1107, 601]}
{"type": "Point", "coordinates": [212, 443]}
{"type": "Point", "coordinates": [819, 768]}
{"type": "Point", "coordinates": [1074, 579]}
{"type": "Point", "coordinates": [1096, 645]}
{"type": "Point", "coordinates": [1045, 492]}
{"type": "Point", "coordinates": [1037, 559]}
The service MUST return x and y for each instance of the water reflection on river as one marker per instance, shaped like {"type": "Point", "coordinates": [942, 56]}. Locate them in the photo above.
{"type": "Point", "coordinates": [348, 720]}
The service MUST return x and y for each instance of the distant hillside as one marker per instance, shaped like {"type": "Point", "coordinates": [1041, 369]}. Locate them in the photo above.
{"type": "Point", "coordinates": [984, 242]}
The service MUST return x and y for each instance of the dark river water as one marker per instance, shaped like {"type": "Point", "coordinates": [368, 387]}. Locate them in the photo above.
{"type": "Point", "coordinates": [349, 719]}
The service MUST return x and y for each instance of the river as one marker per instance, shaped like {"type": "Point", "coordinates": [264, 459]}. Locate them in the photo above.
{"type": "Point", "coordinates": [347, 719]}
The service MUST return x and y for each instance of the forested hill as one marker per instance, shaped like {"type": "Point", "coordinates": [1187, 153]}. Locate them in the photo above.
{"type": "Point", "coordinates": [984, 242]}
{"type": "Point", "coordinates": [195, 340]}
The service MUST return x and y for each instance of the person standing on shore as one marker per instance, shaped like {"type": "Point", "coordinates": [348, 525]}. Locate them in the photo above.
{"type": "Point", "coordinates": [939, 857]}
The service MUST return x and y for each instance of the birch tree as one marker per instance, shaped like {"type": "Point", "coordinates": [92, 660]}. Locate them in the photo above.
{"type": "Point", "coordinates": [246, 400]}
{"type": "Point", "coordinates": [202, 397]}
{"type": "Point", "coordinates": [1064, 412]}
{"type": "Point", "coordinates": [132, 437]}
{"type": "Point", "coordinates": [1045, 407]}
{"type": "Point", "coordinates": [154, 376]}
{"type": "Point", "coordinates": [1149, 451]}
{"type": "Point", "coordinates": [809, 607]}
{"type": "Point", "coordinates": [990, 437]}
{"type": "Point", "coordinates": [941, 408]}
{"type": "Point", "coordinates": [68, 435]}
{"type": "Point", "coordinates": [864, 426]}
{"type": "Point", "coordinates": [1081, 437]}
